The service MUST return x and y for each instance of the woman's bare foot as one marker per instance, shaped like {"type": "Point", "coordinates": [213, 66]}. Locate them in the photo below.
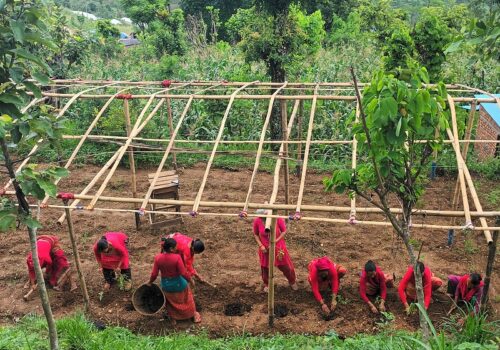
{"type": "Point", "coordinates": [197, 317]}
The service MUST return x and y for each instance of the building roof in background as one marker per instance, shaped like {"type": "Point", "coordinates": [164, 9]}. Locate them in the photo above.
{"type": "Point", "coordinates": [491, 108]}
{"type": "Point", "coordinates": [129, 42]}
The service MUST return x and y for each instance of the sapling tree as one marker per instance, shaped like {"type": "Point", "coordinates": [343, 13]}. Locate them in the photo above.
{"type": "Point", "coordinates": [22, 29]}
{"type": "Point", "coordinates": [396, 135]}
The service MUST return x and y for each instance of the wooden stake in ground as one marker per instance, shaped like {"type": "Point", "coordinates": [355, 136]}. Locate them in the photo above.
{"type": "Point", "coordinates": [492, 250]}
{"type": "Point", "coordinates": [126, 113]}
{"type": "Point", "coordinates": [272, 251]}
{"type": "Point", "coordinates": [171, 129]}
{"type": "Point", "coordinates": [81, 277]}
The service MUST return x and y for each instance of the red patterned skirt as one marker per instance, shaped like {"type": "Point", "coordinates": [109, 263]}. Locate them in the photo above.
{"type": "Point", "coordinates": [180, 305]}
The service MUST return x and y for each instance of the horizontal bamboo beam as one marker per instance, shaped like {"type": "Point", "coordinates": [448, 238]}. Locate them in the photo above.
{"type": "Point", "coordinates": [244, 97]}
{"type": "Point", "coordinates": [313, 219]}
{"type": "Point", "coordinates": [325, 142]}
{"type": "Point", "coordinates": [304, 207]}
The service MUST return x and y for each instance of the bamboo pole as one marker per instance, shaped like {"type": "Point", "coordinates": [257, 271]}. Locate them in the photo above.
{"type": "Point", "coordinates": [276, 177]}
{"type": "Point", "coordinates": [81, 277]}
{"type": "Point", "coordinates": [472, 189]}
{"type": "Point", "coordinates": [89, 186]}
{"type": "Point", "coordinates": [84, 138]}
{"type": "Point", "coordinates": [246, 97]}
{"type": "Point", "coordinates": [306, 151]}
{"type": "Point", "coordinates": [59, 115]}
{"type": "Point", "coordinates": [352, 215]}
{"type": "Point", "coordinates": [212, 156]}
{"type": "Point", "coordinates": [165, 156]}
{"type": "Point", "coordinates": [465, 150]}
{"type": "Point", "coordinates": [299, 138]}
{"type": "Point", "coordinates": [171, 129]}
{"type": "Point", "coordinates": [126, 113]}
{"type": "Point", "coordinates": [461, 177]}
{"type": "Point", "coordinates": [286, 169]}
{"type": "Point", "coordinates": [121, 151]}
{"type": "Point", "coordinates": [244, 142]}
{"type": "Point", "coordinates": [261, 144]}
{"type": "Point", "coordinates": [272, 252]}
{"type": "Point", "coordinates": [492, 250]}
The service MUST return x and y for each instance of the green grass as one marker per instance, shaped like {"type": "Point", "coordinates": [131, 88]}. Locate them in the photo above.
{"type": "Point", "coordinates": [77, 333]}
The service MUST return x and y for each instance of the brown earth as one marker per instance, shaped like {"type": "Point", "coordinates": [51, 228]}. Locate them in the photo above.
{"type": "Point", "coordinates": [230, 260]}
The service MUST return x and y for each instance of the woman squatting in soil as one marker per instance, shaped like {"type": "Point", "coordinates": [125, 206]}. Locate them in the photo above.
{"type": "Point", "coordinates": [111, 253]}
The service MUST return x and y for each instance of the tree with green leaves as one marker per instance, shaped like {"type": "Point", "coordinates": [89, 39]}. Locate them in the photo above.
{"type": "Point", "coordinates": [396, 135]}
{"type": "Point", "coordinates": [143, 12]}
{"type": "Point", "coordinates": [280, 34]}
{"type": "Point", "coordinates": [398, 49]}
{"type": "Point", "coordinates": [23, 28]}
{"type": "Point", "coordinates": [431, 36]}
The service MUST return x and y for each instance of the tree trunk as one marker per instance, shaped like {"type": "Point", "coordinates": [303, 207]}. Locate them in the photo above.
{"type": "Point", "coordinates": [277, 73]}
{"type": "Point", "coordinates": [418, 281]}
{"type": "Point", "coordinates": [42, 291]}
{"type": "Point", "coordinates": [24, 209]}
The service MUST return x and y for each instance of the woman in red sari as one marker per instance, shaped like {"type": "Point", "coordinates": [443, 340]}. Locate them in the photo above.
{"type": "Point", "coordinates": [174, 283]}
{"type": "Point", "coordinates": [53, 260]}
{"type": "Point", "coordinates": [282, 259]}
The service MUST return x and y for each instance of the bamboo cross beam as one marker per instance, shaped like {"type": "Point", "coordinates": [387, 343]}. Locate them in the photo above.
{"type": "Point", "coordinates": [460, 164]}
{"type": "Point", "coordinates": [219, 136]}
{"type": "Point", "coordinates": [309, 218]}
{"type": "Point", "coordinates": [59, 115]}
{"type": "Point", "coordinates": [167, 152]}
{"type": "Point", "coordinates": [84, 138]}
{"type": "Point", "coordinates": [354, 164]}
{"type": "Point", "coordinates": [495, 98]}
{"type": "Point", "coordinates": [261, 144]}
{"type": "Point", "coordinates": [306, 150]}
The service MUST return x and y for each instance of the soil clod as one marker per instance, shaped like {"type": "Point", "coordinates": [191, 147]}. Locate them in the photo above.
{"type": "Point", "coordinates": [280, 310]}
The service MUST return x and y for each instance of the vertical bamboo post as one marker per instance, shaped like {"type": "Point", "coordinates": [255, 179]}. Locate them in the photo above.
{"type": "Point", "coordinates": [171, 128]}
{"type": "Point", "coordinates": [272, 252]}
{"type": "Point", "coordinates": [492, 250]}
{"type": "Point", "coordinates": [286, 170]}
{"type": "Point", "coordinates": [126, 112]}
{"type": "Point", "coordinates": [81, 277]}
{"type": "Point", "coordinates": [299, 137]}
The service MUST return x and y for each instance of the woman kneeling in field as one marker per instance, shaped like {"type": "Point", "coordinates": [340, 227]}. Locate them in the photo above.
{"type": "Point", "coordinates": [174, 283]}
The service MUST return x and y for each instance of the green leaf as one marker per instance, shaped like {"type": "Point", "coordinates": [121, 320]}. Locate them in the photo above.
{"type": "Point", "coordinates": [398, 128]}
{"type": "Point", "coordinates": [18, 28]}
{"type": "Point", "coordinates": [16, 135]}
{"type": "Point", "coordinates": [11, 98]}
{"type": "Point", "coordinates": [16, 73]}
{"type": "Point", "coordinates": [7, 222]}
{"type": "Point", "coordinates": [389, 106]}
{"type": "Point", "coordinates": [33, 88]}
{"type": "Point", "coordinates": [2, 4]}
{"type": "Point", "coordinates": [47, 186]}
{"type": "Point", "coordinates": [30, 57]}
{"type": "Point", "coordinates": [31, 223]}
{"type": "Point", "coordinates": [61, 172]}
{"type": "Point", "coordinates": [41, 78]}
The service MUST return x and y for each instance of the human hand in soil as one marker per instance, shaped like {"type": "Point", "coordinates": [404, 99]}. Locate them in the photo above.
{"type": "Point", "coordinates": [334, 304]}
{"type": "Point", "coordinates": [192, 283]}
{"type": "Point", "coordinates": [382, 306]}
{"type": "Point", "coordinates": [325, 309]}
{"type": "Point", "coordinates": [373, 308]}
{"type": "Point", "coordinates": [407, 308]}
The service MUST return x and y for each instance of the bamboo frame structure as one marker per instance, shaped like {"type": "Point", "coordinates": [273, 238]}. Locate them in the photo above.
{"type": "Point", "coordinates": [302, 95]}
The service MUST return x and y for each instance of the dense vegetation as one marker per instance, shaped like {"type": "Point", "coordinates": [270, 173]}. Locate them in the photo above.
{"type": "Point", "coordinates": [78, 333]}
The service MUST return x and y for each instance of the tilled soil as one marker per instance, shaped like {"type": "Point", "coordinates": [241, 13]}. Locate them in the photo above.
{"type": "Point", "coordinates": [230, 260]}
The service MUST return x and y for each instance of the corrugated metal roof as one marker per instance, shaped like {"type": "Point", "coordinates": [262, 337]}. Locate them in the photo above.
{"type": "Point", "coordinates": [491, 108]}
